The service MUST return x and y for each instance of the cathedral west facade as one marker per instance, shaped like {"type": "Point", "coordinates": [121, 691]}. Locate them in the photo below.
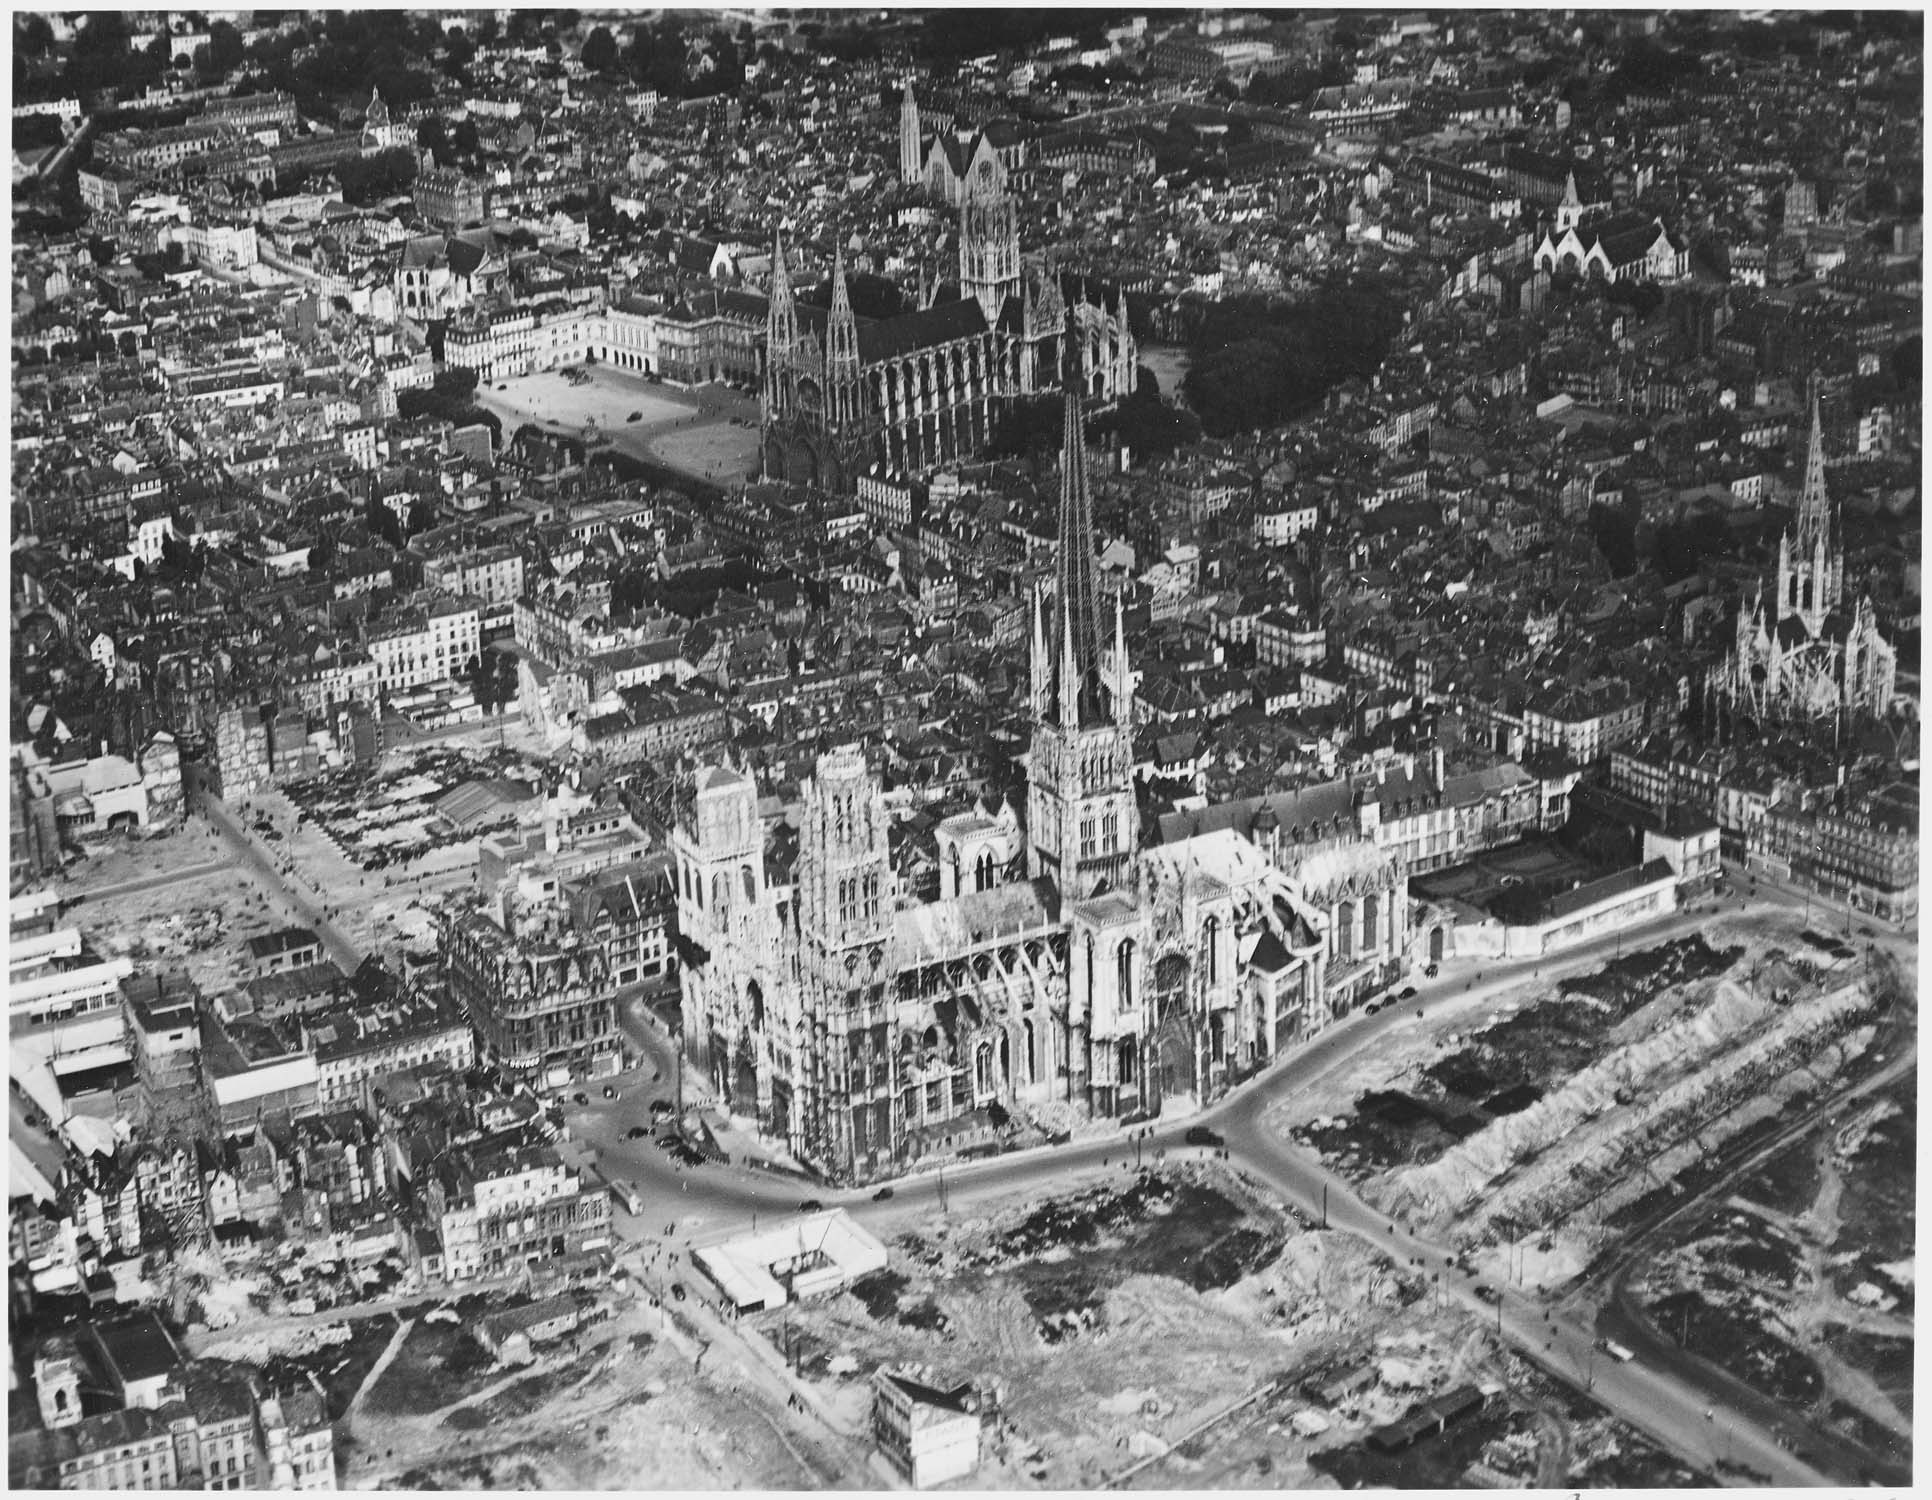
{"type": "Point", "coordinates": [1801, 654]}
{"type": "Point", "coordinates": [1092, 977]}
{"type": "Point", "coordinates": [841, 395]}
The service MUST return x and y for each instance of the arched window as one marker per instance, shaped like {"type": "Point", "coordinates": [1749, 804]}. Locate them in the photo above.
{"type": "Point", "coordinates": [984, 875]}
{"type": "Point", "coordinates": [1211, 944]}
{"type": "Point", "coordinates": [751, 884]}
{"type": "Point", "coordinates": [1090, 969]}
{"type": "Point", "coordinates": [983, 1068]}
{"type": "Point", "coordinates": [1124, 963]}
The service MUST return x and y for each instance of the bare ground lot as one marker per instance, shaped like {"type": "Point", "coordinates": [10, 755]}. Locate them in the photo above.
{"type": "Point", "coordinates": [630, 1403]}
{"type": "Point", "coordinates": [1115, 1321]}
{"type": "Point", "coordinates": [157, 903]}
{"type": "Point", "coordinates": [1801, 1283]}
{"type": "Point", "coordinates": [709, 433]}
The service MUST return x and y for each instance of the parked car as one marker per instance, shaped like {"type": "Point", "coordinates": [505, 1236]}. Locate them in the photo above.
{"type": "Point", "coordinates": [677, 1290]}
{"type": "Point", "coordinates": [1200, 1135]}
{"type": "Point", "coordinates": [1488, 1294]}
{"type": "Point", "coordinates": [660, 1108]}
{"type": "Point", "coordinates": [1432, 971]}
{"type": "Point", "coordinates": [636, 1133]}
{"type": "Point", "coordinates": [811, 1206]}
{"type": "Point", "coordinates": [1406, 993]}
{"type": "Point", "coordinates": [581, 1097]}
{"type": "Point", "coordinates": [1374, 1007]}
{"type": "Point", "coordinates": [883, 1195]}
{"type": "Point", "coordinates": [609, 1092]}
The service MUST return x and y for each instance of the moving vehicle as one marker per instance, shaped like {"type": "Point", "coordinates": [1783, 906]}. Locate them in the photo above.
{"type": "Point", "coordinates": [811, 1206]}
{"type": "Point", "coordinates": [609, 1092]}
{"type": "Point", "coordinates": [1432, 971]}
{"type": "Point", "coordinates": [883, 1195]}
{"type": "Point", "coordinates": [1200, 1135]}
{"type": "Point", "coordinates": [581, 1097]}
{"type": "Point", "coordinates": [677, 1290]}
{"type": "Point", "coordinates": [1616, 1351]}
{"type": "Point", "coordinates": [636, 416]}
{"type": "Point", "coordinates": [1488, 1294]}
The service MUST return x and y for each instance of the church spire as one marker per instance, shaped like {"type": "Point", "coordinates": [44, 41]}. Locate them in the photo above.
{"type": "Point", "coordinates": [1075, 600]}
{"type": "Point", "coordinates": [1814, 505]}
{"type": "Point", "coordinates": [909, 163]}
{"type": "Point", "coordinates": [841, 348]}
{"type": "Point", "coordinates": [781, 328]}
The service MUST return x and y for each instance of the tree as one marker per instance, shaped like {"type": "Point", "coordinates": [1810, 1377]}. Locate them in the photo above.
{"type": "Point", "coordinates": [33, 36]}
{"type": "Point", "coordinates": [482, 680]}
{"type": "Point", "coordinates": [225, 47]}
{"type": "Point", "coordinates": [456, 383]}
{"type": "Point", "coordinates": [322, 554]}
{"type": "Point", "coordinates": [600, 50]}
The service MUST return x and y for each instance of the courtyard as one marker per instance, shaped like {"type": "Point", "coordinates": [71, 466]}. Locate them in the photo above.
{"type": "Point", "coordinates": [709, 433]}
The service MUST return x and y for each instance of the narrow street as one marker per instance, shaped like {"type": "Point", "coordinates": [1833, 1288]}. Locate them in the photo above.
{"type": "Point", "coordinates": [307, 904]}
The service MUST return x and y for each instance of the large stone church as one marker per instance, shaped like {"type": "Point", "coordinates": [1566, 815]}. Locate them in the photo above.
{"type": "Point", "coordinates": [1093, 978]}
{"type": "Point", "coordinates": [841, 394]}
{"type": "Point", "coordinates": [1801, 654]}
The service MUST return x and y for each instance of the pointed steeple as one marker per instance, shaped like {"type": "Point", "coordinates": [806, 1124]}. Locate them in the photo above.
{"type": "Point", "coordinates": [781, 337]}
{"type": "Point", "coordinates": [1078, 670]}
{"type": "Point", "coordinates": [909, 160]}
{"type": "Point", "coordinates": [1814, 504]}
{"type": "Point", "coordinates": [841, 349]}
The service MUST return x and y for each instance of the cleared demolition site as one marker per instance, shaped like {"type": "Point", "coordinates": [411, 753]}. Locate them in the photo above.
{"type": "Point", "coordinates": [1707, 1146]}
{"type": "Point", "coordinates": [1168, 1326]}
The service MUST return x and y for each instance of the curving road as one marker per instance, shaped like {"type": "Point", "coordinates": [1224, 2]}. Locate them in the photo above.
{"type": "Point", "coordinates": [1657, 1394]}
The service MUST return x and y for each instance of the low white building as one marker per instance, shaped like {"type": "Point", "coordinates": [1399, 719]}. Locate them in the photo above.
{"type": "Point", "coordinates": [810, 1256]}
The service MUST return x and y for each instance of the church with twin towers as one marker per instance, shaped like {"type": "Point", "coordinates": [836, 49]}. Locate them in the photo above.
{"type": "Point", "coordinates": [843, 396]}
{"type": "Point", "coordinates": [1067, 971]}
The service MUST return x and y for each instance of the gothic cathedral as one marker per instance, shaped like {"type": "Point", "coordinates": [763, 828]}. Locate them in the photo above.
{"type": "Point", "coordinates": [842, 396]}
{"type": "Point", "coordinates": [1801, 655]}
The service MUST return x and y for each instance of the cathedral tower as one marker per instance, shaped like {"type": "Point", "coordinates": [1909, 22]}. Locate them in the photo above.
{"type": "Point", "coordinates": [1082, 821]}
{"type": "Point", "coordinates": [910, 163]}
{"type": "Point", "coordinates": [989, 242]}
{"type": "Point", "coordinates": [845, 919]}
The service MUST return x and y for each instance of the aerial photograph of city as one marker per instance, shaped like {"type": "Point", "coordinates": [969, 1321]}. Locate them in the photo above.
{"type": "Point", "coordinates": [990, 749]}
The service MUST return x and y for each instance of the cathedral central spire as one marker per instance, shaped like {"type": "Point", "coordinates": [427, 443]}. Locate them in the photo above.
{"type": "Point", "coordinates": [1075, 598]}
{"type": "Point", "coordinates": [1814, 503]}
